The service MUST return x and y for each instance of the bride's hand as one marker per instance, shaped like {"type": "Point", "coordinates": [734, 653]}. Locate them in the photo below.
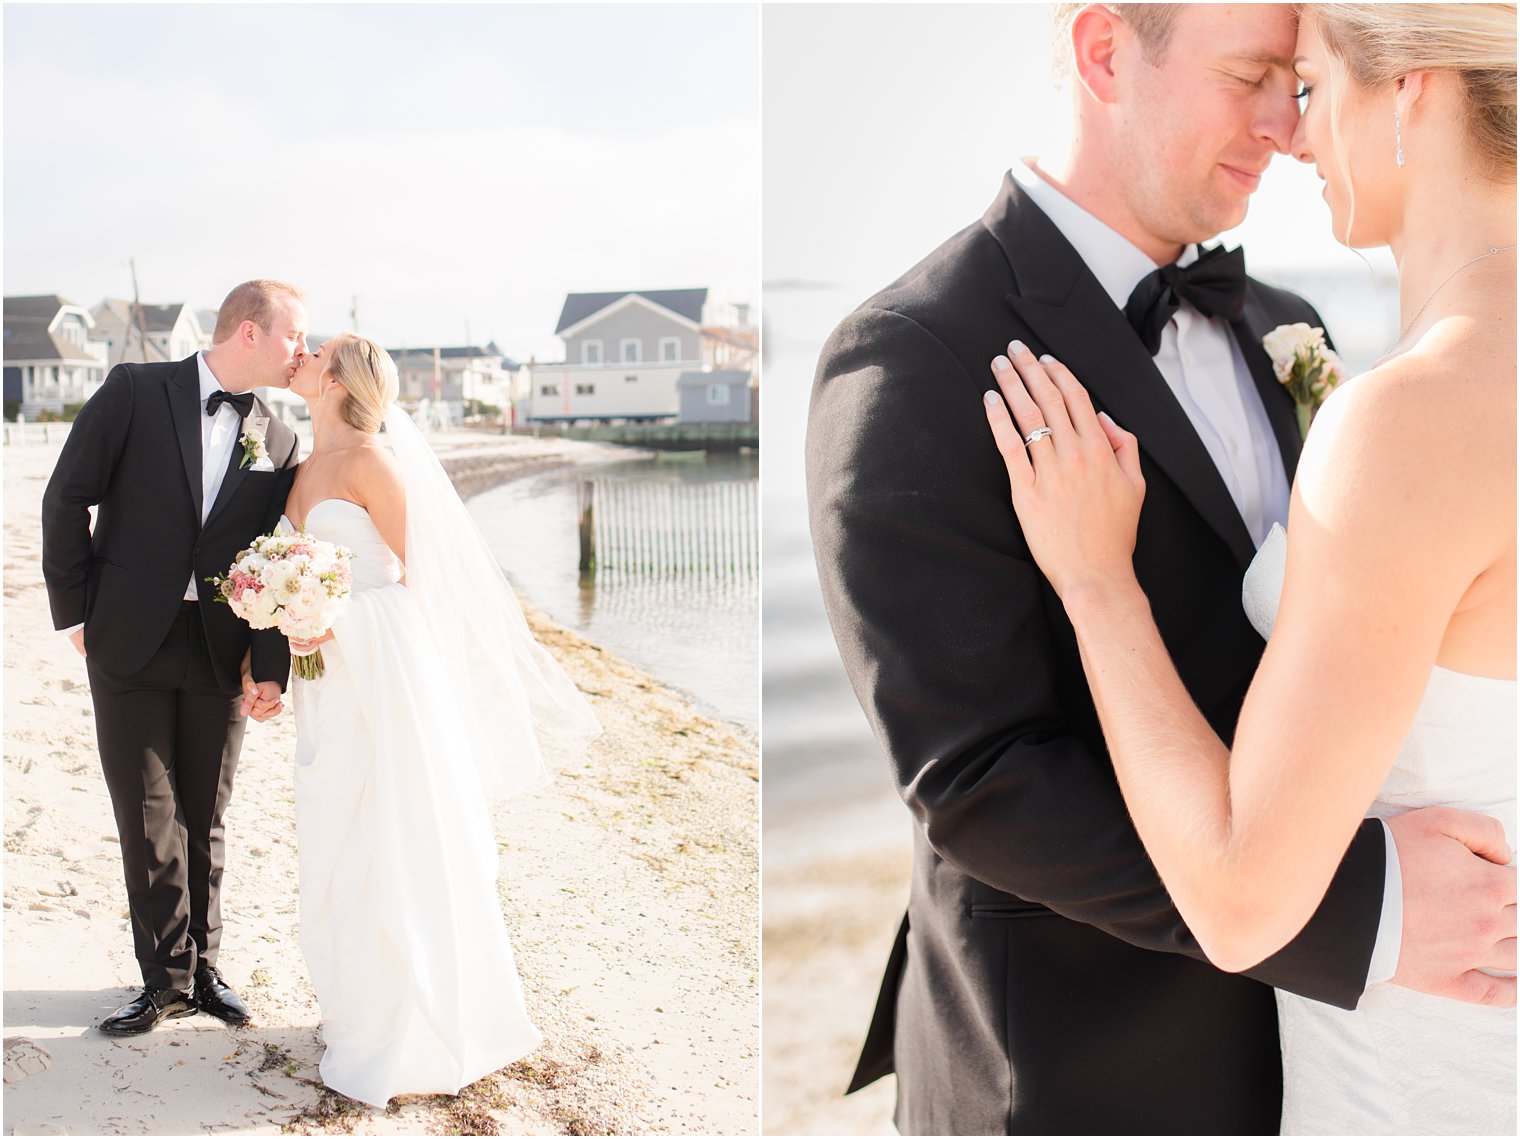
{"type": "Point", "coordinates": [1077, 486]}
{"type": "Point", "coordinates": [307, 646]}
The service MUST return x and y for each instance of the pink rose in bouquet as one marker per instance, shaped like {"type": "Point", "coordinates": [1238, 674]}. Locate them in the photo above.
{"type": "Point", "coordinates": [293, 582]}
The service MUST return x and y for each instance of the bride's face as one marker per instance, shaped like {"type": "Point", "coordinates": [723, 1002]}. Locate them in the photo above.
{"type": "Point", "coordinates": [1346, 132]}
{"type": "Point", "coordinates": [308, 379]}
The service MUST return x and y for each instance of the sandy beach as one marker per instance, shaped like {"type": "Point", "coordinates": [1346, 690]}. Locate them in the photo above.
{"type": "Point", "coordinates": [629, 885]}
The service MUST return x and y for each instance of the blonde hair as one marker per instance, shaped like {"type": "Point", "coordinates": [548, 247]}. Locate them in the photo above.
{"type": "Point", "coordinates": [368, 375]}
{"type": "Point", "coordinates": [1152, 24]}
{"type": "Point", "coordinates": [1379, 43]}
{"type": "Point", "coordinates": [252, 300]}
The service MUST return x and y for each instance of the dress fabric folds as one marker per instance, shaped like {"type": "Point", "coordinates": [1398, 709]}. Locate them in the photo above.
{"type": "Point", "coordinates": [401, 925]}
{"type": "Point", "coordinates": [1402, 1062]}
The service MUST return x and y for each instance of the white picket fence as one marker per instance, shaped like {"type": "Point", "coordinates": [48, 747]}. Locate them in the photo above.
{"type": "Point", "coordinates": [670, 527]}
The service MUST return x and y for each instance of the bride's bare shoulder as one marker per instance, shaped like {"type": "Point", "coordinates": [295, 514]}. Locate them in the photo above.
{"type": "Point", "coordinates": [374, 472]}
{"type": "Point", "coordinates": [1429, 431]}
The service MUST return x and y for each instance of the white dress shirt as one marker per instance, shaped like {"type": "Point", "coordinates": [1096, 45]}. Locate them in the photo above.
{"type": "Point", "coordinates": [1202, 364]}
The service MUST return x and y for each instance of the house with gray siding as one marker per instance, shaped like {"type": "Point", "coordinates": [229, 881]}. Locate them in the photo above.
{"type": "Point", "coordinates": [148, 333]}
{"type": "Point", "coordinates": [624, 353]}
{"type": "Point", "coordinates": [50, 361]}
{"type": "Point", "coordinates": [715, 397]}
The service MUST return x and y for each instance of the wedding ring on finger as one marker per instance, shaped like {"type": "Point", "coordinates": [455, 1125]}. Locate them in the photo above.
{"type": "Point", "coordinates": [1037, 434]}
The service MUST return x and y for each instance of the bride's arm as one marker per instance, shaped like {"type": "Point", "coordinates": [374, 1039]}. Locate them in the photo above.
{"type": "Point", "coordinates": [1384, 544]}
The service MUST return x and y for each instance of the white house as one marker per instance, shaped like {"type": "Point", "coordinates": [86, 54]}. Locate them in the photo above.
{"type": "Point", "coordinates": [624, 353]}
{"type": "Point", "coordinates": [455, 376]}
{"type": "Point", "coordinates": [50, 361]}
{"type": "Point", "coordinates": [150, 333]}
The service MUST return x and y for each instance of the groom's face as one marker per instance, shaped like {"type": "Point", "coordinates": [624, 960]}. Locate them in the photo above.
{"type": "Point", "coordinates": [281, 347]}
{"type": "Point", "coordinates": [1205, 119]}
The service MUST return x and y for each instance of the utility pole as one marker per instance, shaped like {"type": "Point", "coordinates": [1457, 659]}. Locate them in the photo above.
{"type": "Point", "coordinates": [353, 313]}
{"type": "Point", "coordinates": [137, 317]}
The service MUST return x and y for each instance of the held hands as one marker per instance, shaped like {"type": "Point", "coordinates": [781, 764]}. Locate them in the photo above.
{"type": "Point", "coordinates": [261, 699]}
{"type": "Point", "coordinates": [1459, 905]}
{"type": "Point", "coordinates": [1076, 483]}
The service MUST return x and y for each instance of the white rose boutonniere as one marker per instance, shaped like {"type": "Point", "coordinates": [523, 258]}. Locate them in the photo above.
{"type": "Point", "coordinates": [1306, 366]}
{"type": "Point", "coordinates": [252, 440]}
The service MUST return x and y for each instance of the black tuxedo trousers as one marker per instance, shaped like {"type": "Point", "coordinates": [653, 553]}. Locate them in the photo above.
{"type": "Point", "coordinates": [165, 673]}
{"type": "Point", "coordinates": [1042, 982]}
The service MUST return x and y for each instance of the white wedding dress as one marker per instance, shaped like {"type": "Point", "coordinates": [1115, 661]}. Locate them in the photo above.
{"type": "Point", "coordinates": [1403, 1063]}
{"type": "Point", "coordinates": [401, 925]}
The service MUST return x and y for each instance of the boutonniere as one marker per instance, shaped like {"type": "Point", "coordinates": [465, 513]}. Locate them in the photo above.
{"type": "Point", "coordinates": [252, 440]}
{"type": "Point", "coordinates": [1306, 366]}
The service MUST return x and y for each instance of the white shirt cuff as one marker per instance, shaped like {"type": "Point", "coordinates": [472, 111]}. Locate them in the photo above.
{"type": "Point", "coordinates": [71, 630]}
{"type": "Point", "coordinates": [1390, 936]}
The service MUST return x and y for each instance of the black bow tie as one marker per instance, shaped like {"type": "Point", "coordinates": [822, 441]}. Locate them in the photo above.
{"type": "Point", "coordinates": [1215, 285]}
{"type": "Point", "coordinates": [242, 402]}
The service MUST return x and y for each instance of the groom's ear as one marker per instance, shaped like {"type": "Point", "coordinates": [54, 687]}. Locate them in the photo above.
{"type": "Point", "coordinates": [1095, 37]}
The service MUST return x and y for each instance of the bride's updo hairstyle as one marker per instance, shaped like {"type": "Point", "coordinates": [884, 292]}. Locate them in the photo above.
{"type": "Point", "coordinates": [368, 375]}
{"type": "Point", "coordinates": [1379, 43]}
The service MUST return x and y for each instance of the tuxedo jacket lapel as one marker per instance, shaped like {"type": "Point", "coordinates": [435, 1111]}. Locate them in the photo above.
{"type": "Point", "coordinates": [185, 410]}
{"type": "Point", "coordinates": [1252, 326]}
{"type": "Point", "coordinates": [1077, 322]}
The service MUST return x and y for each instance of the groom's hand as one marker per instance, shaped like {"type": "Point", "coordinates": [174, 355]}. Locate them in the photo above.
{"type": "Point", "coordinates": [1459, 905]}
{"type": "Point", "coordinates": [76, 638]}
{"type": "Point", "coordinates": [261, 699]}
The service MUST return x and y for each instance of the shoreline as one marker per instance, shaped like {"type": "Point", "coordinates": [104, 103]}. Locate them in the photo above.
{"type": "Point", "coordinates": [629, 884]}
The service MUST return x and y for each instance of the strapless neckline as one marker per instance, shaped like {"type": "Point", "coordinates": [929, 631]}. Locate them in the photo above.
{"type": "Point", "coordinates": [312, 509]}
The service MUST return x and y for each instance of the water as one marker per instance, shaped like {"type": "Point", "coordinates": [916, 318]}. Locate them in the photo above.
{"type": "Point", "coordinates": [695, 626]}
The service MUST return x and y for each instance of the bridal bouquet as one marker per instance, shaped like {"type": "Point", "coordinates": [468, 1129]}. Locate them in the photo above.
{"type": "Point", "coordinates": [292, 582]}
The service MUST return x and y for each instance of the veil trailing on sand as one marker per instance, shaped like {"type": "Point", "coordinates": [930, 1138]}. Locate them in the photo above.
{"type": "Point", "coordinates": [523, 717]}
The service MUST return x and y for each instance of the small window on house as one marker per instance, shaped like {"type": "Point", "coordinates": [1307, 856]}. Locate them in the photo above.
{"type": "Point", "coordinates": [591, 352]}
{"type": "Point", "coordinates": [717, 394]}
{"type": "Point", "coordinates": [630, 350]}
{"type": "Point", "coordinates": [585, 389]}
{"type": "Point", "coordinates": [549, 389]}
{"type": "Point", "coordinates": [631, 379]}
{"type": "Point", "coordinates": [670, 349]}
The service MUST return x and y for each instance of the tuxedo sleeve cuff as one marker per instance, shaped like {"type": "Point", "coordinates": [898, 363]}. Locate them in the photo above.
{"type": "Point", "coordinates": [1390, 937]}
{"type": "Point", "coordinates": [71, 630]}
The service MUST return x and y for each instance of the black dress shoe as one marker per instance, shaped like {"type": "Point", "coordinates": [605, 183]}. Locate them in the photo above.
{"type": "Point", "coordinates": [146, 1011]}
{"type": "Point", "coordinates": [215, 996]}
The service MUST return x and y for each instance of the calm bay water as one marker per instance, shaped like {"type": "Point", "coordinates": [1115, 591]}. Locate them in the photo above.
{"type": "Point", "coordinates": [696, 628]}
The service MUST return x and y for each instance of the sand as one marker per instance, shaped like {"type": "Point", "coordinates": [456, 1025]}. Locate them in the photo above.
{"type": "Point", "coordinates": [629, 886]}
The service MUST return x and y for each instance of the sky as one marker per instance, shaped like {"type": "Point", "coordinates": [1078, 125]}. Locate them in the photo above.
{"type": "Point", "coordinates": [456, 168]}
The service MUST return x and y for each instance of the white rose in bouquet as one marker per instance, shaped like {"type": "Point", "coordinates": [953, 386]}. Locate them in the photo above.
{"type": "Point", "coordinates": [292, 582]}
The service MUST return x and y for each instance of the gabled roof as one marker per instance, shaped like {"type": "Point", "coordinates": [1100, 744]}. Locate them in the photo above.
{"type": "Point", "coordinates": [472, 352]}
{"type": "Point", "coordinates": [26, 330]}
{"type": "Point", "coordinates": [683, 302]}
{"type": "Point", "coordinates": [155, 318]}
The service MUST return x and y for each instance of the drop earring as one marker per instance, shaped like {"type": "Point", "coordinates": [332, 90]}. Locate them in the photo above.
{"type": "Point", "coordinates": [1398, 136]}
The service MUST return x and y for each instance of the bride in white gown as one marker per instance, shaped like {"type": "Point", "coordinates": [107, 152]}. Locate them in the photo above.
{"type": "Point", "coordinates": [434, 702]}
{"type": "Point", "coordinates": [1389, 679]}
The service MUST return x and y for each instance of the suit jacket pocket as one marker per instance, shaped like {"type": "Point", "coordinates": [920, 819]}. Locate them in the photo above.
{"type": "Point", "coordinates": [1009, 910]}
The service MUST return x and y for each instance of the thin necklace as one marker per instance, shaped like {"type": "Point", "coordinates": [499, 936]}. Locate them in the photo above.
{"type": "Point", "coordinates": [1488, 253]}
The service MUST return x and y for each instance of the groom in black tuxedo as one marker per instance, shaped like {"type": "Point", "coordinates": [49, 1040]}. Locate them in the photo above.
{"type": "Point", "coordinates": [1041, 981]}
{"type": "Point", "coordinates": [186, 466]}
